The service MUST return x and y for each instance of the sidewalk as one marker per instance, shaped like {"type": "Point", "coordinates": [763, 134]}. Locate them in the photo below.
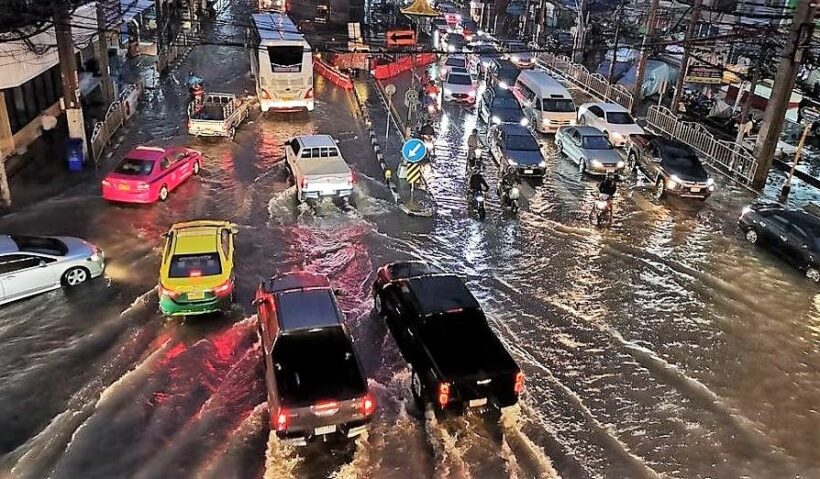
{"type": "Point", "coordinates": [417, 202]}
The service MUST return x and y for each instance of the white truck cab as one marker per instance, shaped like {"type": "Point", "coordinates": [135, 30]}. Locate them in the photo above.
{"type": "Point", "coordinates": [318, 168]}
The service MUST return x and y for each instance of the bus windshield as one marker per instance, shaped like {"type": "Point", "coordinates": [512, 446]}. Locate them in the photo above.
{"type": "Point", "coordinates": [286, 58]}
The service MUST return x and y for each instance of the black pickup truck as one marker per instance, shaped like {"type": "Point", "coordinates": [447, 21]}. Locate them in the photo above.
{"type": "Point", "coordinates": [457, 361]}
{"type": "Point", "coordinates": [314, 379]}
{"type": "Point", "coordinates": [673, 166]}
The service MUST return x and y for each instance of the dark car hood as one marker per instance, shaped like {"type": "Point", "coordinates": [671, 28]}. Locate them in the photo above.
{"type": "Point", "coordinates": [513, 115]}
{"type": "Point", "coordinates": [695, 172]}
{"type": "Point", "coordinates": [525, 157]}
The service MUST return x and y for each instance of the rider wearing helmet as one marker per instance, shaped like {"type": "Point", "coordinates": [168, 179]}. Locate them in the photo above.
{"type": "Point", "coordinates": [609, 185]}
{"type": "Point", "coordinates": [477, 182]}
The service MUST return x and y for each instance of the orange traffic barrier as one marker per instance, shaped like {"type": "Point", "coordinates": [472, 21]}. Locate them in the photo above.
{"type": "Point", "coordinates": [335, 76]}
{"type": "Point", "coordinates": [390, 70]}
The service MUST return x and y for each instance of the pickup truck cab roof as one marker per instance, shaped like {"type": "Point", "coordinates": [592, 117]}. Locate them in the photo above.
{"type": "Point", "coordinates": [304, 302]}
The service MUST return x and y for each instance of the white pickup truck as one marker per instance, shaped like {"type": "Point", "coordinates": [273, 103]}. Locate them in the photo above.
{"type": "Point", "coordinates": [318, 168]}
{"type": "Point", "coordinates": [218, 114]}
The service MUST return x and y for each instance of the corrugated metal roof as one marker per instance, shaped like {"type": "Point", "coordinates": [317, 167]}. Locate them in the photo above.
{"type": "Point", "coordinates": [274, 27]}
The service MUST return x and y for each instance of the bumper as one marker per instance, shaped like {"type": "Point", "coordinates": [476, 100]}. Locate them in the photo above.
{"type": "Point", "coordinates": [129, 196]}
{"type": "Point", "coordinates": [702, 195]}
{"type": "Point", "coordinates": [208, 132]}
{"type": "Point", "coordinates": [96, 268]}
{"type": "Point", "coordinates": [315, 195]}
{"type": "Point", "coordinates": [467, 100]}
{"type": "Point", "coordinates": [551, 127]}
{"type": "Point", "coordinates": [287, 105]}
{"type": "Point", "coordinates": [169, 307]}
{"type": "Point", "coordinates": [603, 170]}
{"type": "Point", "coordinates": [530, 170]}
{"type": "Point", "coordinates": [302, 436]}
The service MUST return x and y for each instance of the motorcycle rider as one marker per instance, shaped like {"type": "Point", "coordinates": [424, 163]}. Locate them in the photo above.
{"type": "Point", "coordinates": [473, 160]}
{"type": "Point", "coordinates": [509, 180]}
{"type": "Point", "coordinates": [477, 183]}
{"type": "Point", "coordinates": [431, 88]}
{"type": "Point", "coordinates": [608, 186]}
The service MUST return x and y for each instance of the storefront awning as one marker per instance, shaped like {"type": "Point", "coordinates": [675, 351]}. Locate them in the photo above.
{"type": "Point", "coordinates": [132, 8]}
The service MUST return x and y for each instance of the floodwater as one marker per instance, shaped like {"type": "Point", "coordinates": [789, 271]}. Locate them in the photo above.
{"type": "Point", "coordinates": [661, 347]}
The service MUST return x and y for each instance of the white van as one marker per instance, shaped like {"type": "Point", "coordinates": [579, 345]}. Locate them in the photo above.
{"type": "Point", "coordinates": [545, 102]}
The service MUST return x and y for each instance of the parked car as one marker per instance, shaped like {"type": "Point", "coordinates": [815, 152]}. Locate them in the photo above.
{"type": "Point", "coordinates": [315, 384]}
{"type": "Point", "coordinates": [196, 275]}
{"type": "Point", "coordinates": [148, 174]}
{"type": "Point", "coordinates": [456, 359]}
{"type": "Point", "coordinates": [218, 114]}
{"type": "Point", "coordinates": [613, 119]}
{"type": "Point", "coordinates": [673, 166]}
{"type": "Point", "coordinates": [452, 61]}
{"type": "Point", "coordinates": [520, 55]}
{"type": "Point", "coordinates": [459, 87]}
{"type": "Point", "coordinates": [500, 106]}
{"type": "Point", "coordinates": [502, 73]}
{"type": "Point", "coordinates": [31, 265]}
{"type": "Point", "coordinates": [589, 148]}
{"type": "Point", "coordinates": [513, 145]}
{"type": "Point", "coordinates": [317, 168]}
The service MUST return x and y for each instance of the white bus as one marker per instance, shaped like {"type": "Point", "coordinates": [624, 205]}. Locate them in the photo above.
{"type": "Point", "coordinates": [281, 62]}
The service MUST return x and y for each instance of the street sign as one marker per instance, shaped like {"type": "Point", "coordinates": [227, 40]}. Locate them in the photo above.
{"type": "Point", "coordinates": [410, 98]}
{"type": "Point", "coordinates": [390, 89]}
{"type": "Point", "coordinates": [702, 67]}
{"type": "Point", "coordinates": [413, 173]}
{"type": "Point", "coordinates": [397, 38]}
{"type": "Point", "coordinates": [413, 150]}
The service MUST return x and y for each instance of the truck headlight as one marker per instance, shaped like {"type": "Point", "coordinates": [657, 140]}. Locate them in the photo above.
{"type": "Point", "coordinates": [710, 182]}
{"type": "Point", "coordinates": [503, 85]}
{"type": "Point", "coordinates": [542, 164]}
{"type": "Point", "coordinates": [673, 182]}
{"type": "Point", "coordinates": [451, 48]}
{"type": "Point", "coordinates": [545, 121]}
{"type": "Point", "coordinates": [597, 164]}
{"type": "Point", "coordinates": [448, 92]}
{"type": "Point", "coordinates": [515, 58]}
{"type": "Point", "coordinates": [621, 164]}
{"type": "Point", "coordinates": [512, 162]}
{"type": "Point", "coordinates": [495, 119]}
{"type": "Point", "coordinates": [524, 122]}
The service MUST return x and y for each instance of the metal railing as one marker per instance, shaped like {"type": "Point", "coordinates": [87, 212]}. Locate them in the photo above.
{"type": "Point", "coordinates": [731, 158]}
{"type": "Point", "coordinates": [118, 113]}
{"type": "Point", "coordinates": [593, 83]}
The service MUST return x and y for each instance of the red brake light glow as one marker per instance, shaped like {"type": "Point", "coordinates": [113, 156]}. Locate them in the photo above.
{"type": "Point", "coordinates": [443, 394]}
{"type": "Point", "coordinates": [195, 273]}
{"type": "Point", "coordinates": [368, 405]}
{"type": "Point", "coordinates": [223, 288]}
{"type": "Point", "coordinates": [168, 292]}
{"type": "Point", "coordinates": [304, 182]}
{"type": "Point", "coordinates": [282, 419]}
{"type": "Point", "coordinates": [106, 183]}
{"type": "Point", "coordinates": [265, 94]}
{"type": "Point", "coordinates": [519, 383]}
{"type": "Point", "coordinates": [309, 93]}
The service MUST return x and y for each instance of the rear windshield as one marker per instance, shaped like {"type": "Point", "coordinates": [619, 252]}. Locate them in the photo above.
{"type": "Point", "coordinates": [619, 118]}
{"type": "Point", "coordinates": [313, 308]}
{"type": "Point", "coordinates": [286, 59]}
{"type": "Point", "coordinates": [459, 80]}
{"type": "Point", "coordinates": [558, 105]}
{"type": "Point", "coordinates": [521, 143]}
{"type": "Point", "coordinates": [596, 143]}
{"type": "Point", "coordinates": [132, 167]}
{"type": "Point", "coordinates": [505, 102]}
{"type": "Point", "coordinates": [317, 366]}
{"type": "Point", "coordinates": [194, 265]}
{"type": "Point", "coordinates": [36, 244]}
{"type": "Point", "coordinates": [455, 62]}
{"type": "Point", "coordinates": [320, 152]}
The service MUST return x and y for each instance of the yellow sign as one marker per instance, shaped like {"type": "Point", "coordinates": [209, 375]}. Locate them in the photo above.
{"type": "Point", "coordinates": [413, 173]}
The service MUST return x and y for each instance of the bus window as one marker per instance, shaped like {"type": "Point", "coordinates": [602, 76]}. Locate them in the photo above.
{"type": "Point", "coordinates": [285, 58]}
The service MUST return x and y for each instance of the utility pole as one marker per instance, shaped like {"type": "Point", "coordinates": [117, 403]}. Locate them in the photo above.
{"type": "Point", "coordinates": [68, 69]}
{"type": "Point", "coordinates": [106, 83]}
{"type": "Point", "coordinates": [799, 39]}
{"type": "Point", "coordinates": [618, 20]}
{"type": "Point", "coordinates": [644, 58]}
{"type": "Point", "coordinates": [694, 19]}
{"type": "Point", "coordinates": [580, 33]}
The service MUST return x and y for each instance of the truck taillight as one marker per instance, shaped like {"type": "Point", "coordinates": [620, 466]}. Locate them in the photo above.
{"type": "Point", "coordinates": [519, 383]}
{"type": "Point", "coordinates": [368, 405]}
{"type": "Point", "coordinates": [223, 288]}
{"type": "Point", "coordinates": [443, 394]}
{"type": "Point", "coordinates": [309, 93]}
{"type": "Point", "coordinates": [282, 419]}
{"type": "Point", "coordinates": [168, 292]}
{"type": "Point", "coordinates": [265, 94]}
{"type": "Point", "coordinates": [304, 183]}
{"type": "Point", "coordinates": [351, 180]}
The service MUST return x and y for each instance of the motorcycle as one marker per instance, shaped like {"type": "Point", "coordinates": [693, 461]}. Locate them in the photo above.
{"type": "Point", "coordinates": [474, 160]}
{"type": "Point", "coordinates": [601, 211]}
{"type": "Point", "coordinates": [509, 197]}
{"type": "Point", "coordinates": [430, 145]}
{"type": "Point", "coordinates": [477, 203]}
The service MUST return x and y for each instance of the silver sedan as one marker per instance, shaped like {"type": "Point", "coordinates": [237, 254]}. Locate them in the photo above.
{"type": "Point", "coordinates": [31, 265]}
{"type": "Point", "coordinates": [590, 148]}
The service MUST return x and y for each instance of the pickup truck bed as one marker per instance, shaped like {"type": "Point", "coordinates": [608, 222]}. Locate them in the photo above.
{"type": "Point", "coordinates": [210, 112]}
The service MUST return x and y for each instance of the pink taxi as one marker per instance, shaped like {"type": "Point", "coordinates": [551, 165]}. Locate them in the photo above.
{"type": "Point", "coordinates": [149, 173]}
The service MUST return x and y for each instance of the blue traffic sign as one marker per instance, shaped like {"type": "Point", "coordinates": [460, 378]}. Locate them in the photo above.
{"type": "Point", "coordinates": [413, 150]}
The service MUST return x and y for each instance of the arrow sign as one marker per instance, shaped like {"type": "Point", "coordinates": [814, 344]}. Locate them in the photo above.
{"type": "Point", "coordinates": [413, 150]}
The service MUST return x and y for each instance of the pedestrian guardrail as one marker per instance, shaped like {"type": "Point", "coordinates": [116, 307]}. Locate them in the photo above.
{"type": "Point", "coordinates": [593, 83]}
{"type": "Point", "coordinates": [731, 158]}
{"type": "Point", "coordinates": [118, 113]}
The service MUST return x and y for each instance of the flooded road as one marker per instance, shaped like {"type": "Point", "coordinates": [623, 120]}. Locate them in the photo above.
{"type": "Point", "coordinates": [661, 347]}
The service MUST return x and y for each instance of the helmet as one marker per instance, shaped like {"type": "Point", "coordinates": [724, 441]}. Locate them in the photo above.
{"type": "Point", "coordinates": [475, 131]}
{"type": "Point", "coordinates": [610, 176]}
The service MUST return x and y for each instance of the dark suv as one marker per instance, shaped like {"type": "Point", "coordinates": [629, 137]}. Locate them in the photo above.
{"type": "Point", "coordinates": [314, 379]}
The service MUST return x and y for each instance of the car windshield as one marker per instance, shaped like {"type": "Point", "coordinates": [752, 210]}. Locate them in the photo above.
{"type": "Point", "coordinates": [455, 62]}
{"type": "Point", "coordinates": [619, 118]}
{"type": "Point", "coordinates": [134, 167]}
{"type": "Point", "coordinates": [686, 162]}
{"type": "Point", "coordinates": [596, 142]}
{"type": "Point", "coordinates": [459, 80]}
{"type": "Point", "coordinates": [521, 143]}
{"type": "Point", "coordinates": [558, 105]}
{"type": "Point", "coordinates": [194, 265]}
{"type": "Point", "coordinates": [505, 102]}
{"type": "Point", "coordinates": [36, 244]}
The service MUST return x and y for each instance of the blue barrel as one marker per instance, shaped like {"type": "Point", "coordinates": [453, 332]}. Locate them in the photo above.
{"type": "Point", "coordinates": [74, 152]}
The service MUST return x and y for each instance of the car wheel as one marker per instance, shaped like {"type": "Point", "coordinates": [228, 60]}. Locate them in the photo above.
{"type": "Point", "coordinates": [560, 147]}
{"type": "Point", "coordinates": [751, 236]}
{"type": "Point", "coordinates": [813, 274]}
{"type": "Point", "coordinates": [75, 276]}
{"type": "Point", "coordinates": [417, 391]}
{"type": "Point", "coordinates": [232, 133]}
{"type": "Point", "coordinates": [582, 166]}
{"type": "Point", "coordinates": [660, 189]}
{"type": "Point", "coordinates": [377, 304]}
{"type": "Point", "coordinates": [196, 167]}
{"type": "Point", "coordinates": [163, 193]}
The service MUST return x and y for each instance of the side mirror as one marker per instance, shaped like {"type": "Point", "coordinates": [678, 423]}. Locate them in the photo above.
{"type": "Point", "coordinates": [339, 292]}
{"type": "Point", "coordinates": [234, 230]}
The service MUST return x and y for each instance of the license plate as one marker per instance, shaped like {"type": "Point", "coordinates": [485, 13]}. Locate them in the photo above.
{"type": "Point", "coordinates": [325, 430]}
{"type": "Point", "coordinates": [196, 296]}
{"type": "Point", "coordinates": [478, 402]}
{"type": "Point", "coordinates": [527, 172]}
{"type": "Point", "coordinates": [122, 186]}
{"type": "Point", "coordinates": [695, 189]}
